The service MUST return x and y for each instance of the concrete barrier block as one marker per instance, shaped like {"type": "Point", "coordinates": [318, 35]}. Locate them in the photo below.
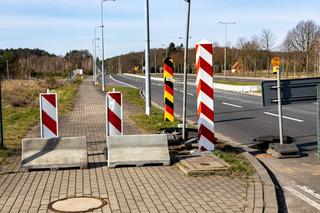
{"type": "Point", "coordinates": [137, 150]}
{"type": "Point", "coordinates": [54, 153]}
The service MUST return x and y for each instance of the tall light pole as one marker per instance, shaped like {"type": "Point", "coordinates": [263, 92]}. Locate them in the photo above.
{"type": "Point", "coordinates": [94, 41]}
{"type": "Point", "coordinates": [225, 45]}
{"type": "Point", "coordinates": [165, 46]}
{"type": "Point", "coordinates": [186, 46]}
{"type": "Point", "coordinates": [95, 54]}
{"type": "Point", "coordinates": [1, 126]}
{"type": "Point", "coordinates": [102, 42]}
{"type": "Point", "coordinates": [147, 59]}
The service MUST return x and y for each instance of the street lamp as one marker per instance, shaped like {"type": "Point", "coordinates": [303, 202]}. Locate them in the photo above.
{"type": "Point", "coordinates": [1, 126]}
{"type": "Point", "coordinates": [186, 46]}
{"type": "Point", "coordinates": [225, 45]}
{"type": "Point", "coordinates": [102, 38]}
{"type": "Point", "coordinates": [147, 59]}
{"type": "Point", "coordinates": [94, 42]}
{"type": "Point", "coordinates": [166, 48]}
{"type": "Point", "coordinates": [95, 54]}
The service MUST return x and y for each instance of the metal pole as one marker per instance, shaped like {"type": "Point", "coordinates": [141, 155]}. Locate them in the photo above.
{"type": "Point", "coordinates": [102, 44]}
{"type": "Point", "coordinates": [280, 106]}
{"type": "Point", "coordinates": [93, 58]}
{"type": "Point", "coordinates": [186, 46]}
{"type": "Point", "coordinates": [225, 52]}
{"type": "Point", "coordinates": [8, 69]}
{"type": "Point", "coordinates": [147, 60]}
{"type": "Point", "coordinates": [155, 61]}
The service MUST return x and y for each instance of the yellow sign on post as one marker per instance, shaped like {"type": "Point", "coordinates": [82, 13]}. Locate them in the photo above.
{"type": "Point", "coordinates": [275, 63]}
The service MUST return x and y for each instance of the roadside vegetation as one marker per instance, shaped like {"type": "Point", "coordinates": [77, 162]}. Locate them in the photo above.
{"type": "Point", "coordinates": [20, 101]}
{"type": "Point", "coordinates": [152, 124]}
{"type": "Point", "coordinates": [237, 83]}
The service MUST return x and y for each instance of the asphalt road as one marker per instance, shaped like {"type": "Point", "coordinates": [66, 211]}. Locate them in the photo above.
{"type": "Point", "coordinates": [242, 118]}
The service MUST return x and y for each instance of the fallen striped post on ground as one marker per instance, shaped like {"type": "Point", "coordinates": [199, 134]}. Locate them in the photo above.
{"type": "Point", "coordinates": [205, 95]}
{"type": "Point", "coordinates": [114, 113]}
{"type": "Point", "coordinates": [49, 126]}
{"type": "Point", "coordinates": [168, 69]}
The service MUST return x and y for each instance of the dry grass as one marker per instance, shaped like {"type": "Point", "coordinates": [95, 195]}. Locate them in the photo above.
{"type": "Point", "coordinates": [20, 101]}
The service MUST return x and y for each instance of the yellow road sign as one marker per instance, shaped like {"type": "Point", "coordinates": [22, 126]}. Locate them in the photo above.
{"type": "Point", "coordinates": [275, 69]}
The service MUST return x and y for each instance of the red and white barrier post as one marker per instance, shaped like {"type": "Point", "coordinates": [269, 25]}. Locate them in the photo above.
{"type": "Point", "coordinates": [49, 125]}
{"type": "Point", "coordinates": [114, 113]}
{"type": "Point", "coordinates": [205, 95]}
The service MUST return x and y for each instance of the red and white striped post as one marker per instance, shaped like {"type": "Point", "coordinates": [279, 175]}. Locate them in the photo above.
{"type": "Point", "coordinates": [205, 95]}
{"type": "Point", "coordinates": [114, 113]}
{"type": "Point", "coordinates": [49, 125]}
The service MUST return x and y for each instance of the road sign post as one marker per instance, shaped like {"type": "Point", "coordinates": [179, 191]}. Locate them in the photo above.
{"type": "Point", "coordinates": [114, 119]}
{"type": "Point", "coordinates": [49, 124]}
{"type": "Point", "coordinates": [205, 95]}
{"type": "Point", "coordinates": [276, 69]}
{"type": "Point", "coordinates": [168, 70]}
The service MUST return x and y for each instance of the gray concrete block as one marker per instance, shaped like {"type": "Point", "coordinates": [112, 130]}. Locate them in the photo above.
{"type": "Point", "coordinates": [54, 153]}
{"type": "Point", "coordinates": [137, 150]}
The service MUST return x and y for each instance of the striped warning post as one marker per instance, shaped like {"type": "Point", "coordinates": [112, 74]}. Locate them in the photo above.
{"type": "Point", "coordinates": [168, 69]}
{"type": "Point", "coordinates": [48, 115]}
{"type": "Point", "coordinates": [205, 95]}
{"type": "Point", "coordinates": [114, 113]}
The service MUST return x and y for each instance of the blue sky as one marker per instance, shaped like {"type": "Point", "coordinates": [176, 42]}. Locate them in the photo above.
{"type": "Point", "coordinates": [60, 25]}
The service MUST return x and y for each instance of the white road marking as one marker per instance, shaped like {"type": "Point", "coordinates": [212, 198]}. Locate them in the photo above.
{"type": "Point", "coordinates": [176, 89]}
{"type": "Point", "coordinates": [233, 105]}
{"type": "Point", "coordinates": [286, 117]}
{"type": "Point", "coordinates": [303, 197]}
{"type": "Point", "coordinates": [181, 91]}
{"type": "Point", "coordinates": [309, 191]}
{"type": "Point", "coordinates": [129, 85]}
{"type": "Point", "coordinates": [190, 94]}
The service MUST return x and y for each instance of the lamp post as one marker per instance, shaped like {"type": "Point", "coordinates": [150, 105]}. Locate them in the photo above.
{"type": "Point", "coordinates": [225, 45]}
{"type": "Point", "coordinates": [1, 126]}
{"type": "Point", "coordinates": [102, 42]}
{"type": "Point", "coordinates": [186, 46]}
{"type": "Point", "coordinates": [94, 41]}
{"type": "Point", "coordinates": [166, 48]}
{"type": "Point", "coordinates": [147, 59]}
{"type": "Point", "coordinates": [95, 54]}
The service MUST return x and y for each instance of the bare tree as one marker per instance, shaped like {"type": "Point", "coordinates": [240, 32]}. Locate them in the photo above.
{"type": "Point", "coordinates": [242, 45]}
{"type": "Point", "coordinates": [267, 40]}
{"type": "Point", "coordinates": [303, 35]}
{"type": "Point", "coordinates": [287, 48]}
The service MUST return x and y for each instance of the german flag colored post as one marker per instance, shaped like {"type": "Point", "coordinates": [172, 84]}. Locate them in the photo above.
{"type": "Point", "coordinates": [168, 69]}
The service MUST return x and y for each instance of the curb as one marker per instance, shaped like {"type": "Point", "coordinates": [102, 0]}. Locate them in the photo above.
{"type": "Point", "coordinates": [261, 189]}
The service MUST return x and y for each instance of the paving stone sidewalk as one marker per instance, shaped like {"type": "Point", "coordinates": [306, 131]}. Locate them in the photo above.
{"type": "Point", "coordinates": [132, 189]}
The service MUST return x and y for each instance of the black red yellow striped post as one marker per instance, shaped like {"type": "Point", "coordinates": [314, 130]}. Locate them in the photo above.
{"type": "Point", "coordinates": [168, 69]}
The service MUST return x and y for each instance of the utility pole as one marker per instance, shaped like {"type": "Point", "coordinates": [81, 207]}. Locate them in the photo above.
{"type": "Point", "coordinates": [147, 60]}
{"type": "Point", "coordinates": [8, 69]}
{"type": "Point", "coordinates": [186, 46]}
{"type": "Point", "coordinates": [102, 43]}
{"type": "Point", "coordinates": [1, 124]}
{"type": "Point", "coordinates": [155, 61]}
{"type": "Point", "coordinates": [225, 45]}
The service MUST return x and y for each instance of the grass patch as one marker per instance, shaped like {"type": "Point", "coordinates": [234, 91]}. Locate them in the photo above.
{"type": "Point", "coordinates": [151, 123]}
{"type": "Point", "coordinates": [19, 118]}
{"type": "Point", "coordinates": [239, 165]}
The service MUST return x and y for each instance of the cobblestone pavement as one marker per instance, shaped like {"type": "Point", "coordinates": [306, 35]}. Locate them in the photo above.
{"type": "Point", "coordinates": [132, 189]}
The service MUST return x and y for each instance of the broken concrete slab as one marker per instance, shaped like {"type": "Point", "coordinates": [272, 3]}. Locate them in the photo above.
{"type": "Point", "coordinates": [54, 153]}
{"type": "Point", "coordinates": [202, 165]}
{"type": "Point", "coordinates": [283, 151]}
{"type": "Point", "coordinates": [138, 150]}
